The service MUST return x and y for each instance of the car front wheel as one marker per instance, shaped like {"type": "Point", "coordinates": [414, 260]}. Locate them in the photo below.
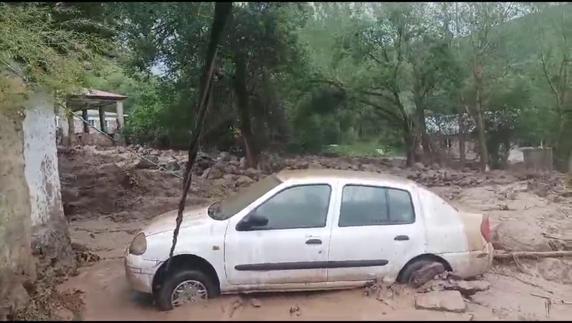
{"type": "Point", "coordinates": [183, 287]}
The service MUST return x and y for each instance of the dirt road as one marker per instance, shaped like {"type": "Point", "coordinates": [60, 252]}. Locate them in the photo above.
{"type": "Point", "coordinates": [108, 201]}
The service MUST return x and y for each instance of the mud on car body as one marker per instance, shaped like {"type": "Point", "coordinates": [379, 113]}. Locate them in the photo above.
{"type": "Point", "coordinates": [307, 229]}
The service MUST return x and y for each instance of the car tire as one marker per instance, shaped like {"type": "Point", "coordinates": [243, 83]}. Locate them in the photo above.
{"type": "Point", "coordinates": [172, 281]}
{"type": "Point", "coordinates": [407, 274]}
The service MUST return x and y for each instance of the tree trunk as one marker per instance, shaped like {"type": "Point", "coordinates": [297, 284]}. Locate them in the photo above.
{"type": "Point", "coordinates": [484, 158]}
{"type": "Point", "coordinates": [462, 149]}
{"type": "Point", "coordinates": [563, 144]}
{"type": "Point", "coordinates": [71, 129]}
{"type": "Point", "coordinates": [244, 115]}
{"type": "Point", "coordinates": [410, 142]}
{"type": "Point", "coordinates": [422, 127]}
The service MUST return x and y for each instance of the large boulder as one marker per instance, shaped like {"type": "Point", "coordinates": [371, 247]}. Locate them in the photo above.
{"type": "Point", "coordinates": [556, 270]}
{"type": "Point", "coordinates": [517, 235]}
{"type": "Point", "coordinates": [147, 162]}
{"type": "Point", "coordinates": [224, 156]}
{"type": "Point", "coordinates": [243, 180]}
{"type": "Point", "coordinates": [449, 300]}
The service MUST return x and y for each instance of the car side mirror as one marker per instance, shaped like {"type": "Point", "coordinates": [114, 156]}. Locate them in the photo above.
{"type": "Point", "coordinates": [253, 219]}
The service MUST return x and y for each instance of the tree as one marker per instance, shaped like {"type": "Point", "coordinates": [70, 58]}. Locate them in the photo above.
{"type": "Point", "coordinates": [44, 51]}
{"type": "Point", "coordinates": [385, 45]}
{"type": "Point", "coordinates": [555, 50]}
{"type": "Point", "coordinates": [256, 53]}
{"type": "Point", "coordinates": [479, 19]}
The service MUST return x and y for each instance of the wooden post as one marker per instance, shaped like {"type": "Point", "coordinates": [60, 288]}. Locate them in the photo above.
{"type": "Point", "coordinates": [71, 129]}
{"type": "Point", "coordinates": [102, 120]}
{"type": "Point", "coordinates": [85, 117]}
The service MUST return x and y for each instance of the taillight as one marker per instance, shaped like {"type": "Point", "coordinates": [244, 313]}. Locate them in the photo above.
{"type": "Point", "coordinates": [486, 228]}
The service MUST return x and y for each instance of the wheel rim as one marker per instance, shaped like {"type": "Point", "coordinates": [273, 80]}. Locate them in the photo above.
{"type": "Point", "coordinates": [188, 291]}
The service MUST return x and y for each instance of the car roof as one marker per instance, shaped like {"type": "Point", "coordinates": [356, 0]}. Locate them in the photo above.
{"type": "Point", "coordinates": [287, 175]}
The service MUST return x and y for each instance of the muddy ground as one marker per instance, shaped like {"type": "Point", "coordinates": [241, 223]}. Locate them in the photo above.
{"type": "Point", "coordinates": [110, 194]}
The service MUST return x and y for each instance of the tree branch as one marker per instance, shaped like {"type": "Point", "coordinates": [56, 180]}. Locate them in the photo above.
{"type": "Point", "coordinates": [548, 79]}
{"type": "Point", "coordinates": [380, 109]}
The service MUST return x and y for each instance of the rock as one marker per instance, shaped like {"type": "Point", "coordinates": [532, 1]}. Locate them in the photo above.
{"type": "Point", "coordinates": [449, 300]}
{"type": "Point", "coordinates": [147, 162]}
{"type": "Point", "coordinates": [468, 288]}
{"type": "Point", "coordinates": [243, 180]}
{"type": "Point", "coordinates": [556, 270]}
{"type": "Point", "coordinates": [64, 314]}
{"type": "Point", "coordinates": [224, 156]}
{"type": "Point", "coordinates": [19, 296]}
{"type": "Point", "coordinates": [426, 273]}
{"type": "Point", "coordinates": [215, 173]}
{"type": "Point", "coordinates": [221, 182]}
{"type": "Point", "coordinates": [203, 161]}
{"type": "Point", "coordinates": [242, 163]}
{"type": "Point", "coordinates": [172, 165]}
{"type": "Point", "coordinates": [300, 165]}
{"type": "Point", "coordinates": [518, 235]}
{"type": "Point", "coordinates": [252, 173]}
{"type": "Point", "coordinates": [369, 168]}
{"type": "Point", "coordinates": [255, 302]}
{"type": "Point", "coordinates": [205, 173]}
{"type": "Point", "coordinates": [231, 169]}
{"type": "Point", "coordinates": [315, 165]}
{"type": "Point", "coordinates": [418, 166]}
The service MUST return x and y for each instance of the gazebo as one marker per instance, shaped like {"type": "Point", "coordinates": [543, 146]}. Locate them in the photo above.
{"type": "Point", "coordinates": [89, 99]}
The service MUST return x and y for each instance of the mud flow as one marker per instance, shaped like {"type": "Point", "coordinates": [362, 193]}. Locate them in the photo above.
{"type": "Point", "coordinates": [109, 194]}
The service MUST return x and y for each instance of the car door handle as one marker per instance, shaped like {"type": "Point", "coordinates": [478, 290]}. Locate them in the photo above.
{"type": "Point", "coordinates": [401, 238]}
{"type": "Point", "coordinates": [313, 241]}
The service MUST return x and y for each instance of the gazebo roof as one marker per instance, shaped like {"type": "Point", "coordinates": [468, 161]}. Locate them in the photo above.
{"type": "Point", "coordinates": [101, 95]}
{"type": "Point", "coordinates": [90, 98]}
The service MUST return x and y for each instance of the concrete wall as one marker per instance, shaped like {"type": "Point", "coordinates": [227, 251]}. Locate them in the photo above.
{"type": "Point", "coordinates": [31, 214]}
{"type": "Point", "coordinates": [49, 226]}
{"type": "Point", "coordinates": [15, 221]}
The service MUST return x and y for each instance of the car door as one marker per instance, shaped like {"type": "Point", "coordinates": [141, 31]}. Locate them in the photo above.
{"type": "Point", "coordinates": [375, 234]}
{"type": "Point", "coordinates": [291, 248]}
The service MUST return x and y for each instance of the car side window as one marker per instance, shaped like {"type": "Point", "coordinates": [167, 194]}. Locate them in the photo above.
{"type": "Point", "coordinates": [371, 205]}
{"type": "Point", "coordinates": [303, 206]}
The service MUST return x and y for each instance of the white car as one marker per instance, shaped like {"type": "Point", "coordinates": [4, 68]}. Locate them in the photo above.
{"type": "Point", "coordinates": [307, 229]}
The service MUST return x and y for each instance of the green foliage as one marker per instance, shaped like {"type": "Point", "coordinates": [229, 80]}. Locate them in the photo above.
{"type": "Point", "coordinates": [36, 48]}
{"type": "Point", "coordinates": [359, 75]}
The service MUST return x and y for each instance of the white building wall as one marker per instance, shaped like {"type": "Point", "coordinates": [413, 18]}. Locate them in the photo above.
{"type": "Point", "coordinates": [41, 160]}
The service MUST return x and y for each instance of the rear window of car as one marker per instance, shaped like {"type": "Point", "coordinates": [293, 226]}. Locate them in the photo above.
{"type": "Point", "coordinates": [371, 205]}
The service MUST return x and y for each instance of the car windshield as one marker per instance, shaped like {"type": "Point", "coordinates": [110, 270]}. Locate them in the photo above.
{"type": "Point", "coordinates": [228, 207]}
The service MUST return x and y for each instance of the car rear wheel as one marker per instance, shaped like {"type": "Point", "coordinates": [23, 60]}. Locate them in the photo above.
{"type": "Point", "coordinates": [183, 287]}
{"type": "Point", "coordinates": [408, 274]}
